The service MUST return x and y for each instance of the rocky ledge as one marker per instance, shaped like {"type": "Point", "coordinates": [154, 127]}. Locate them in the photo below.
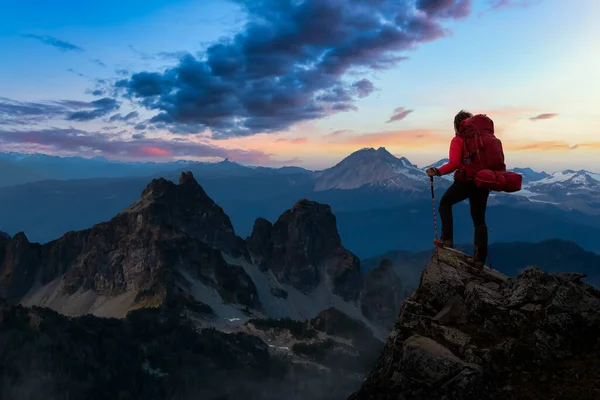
{"type": "Point", "coordinates": [468, 335]}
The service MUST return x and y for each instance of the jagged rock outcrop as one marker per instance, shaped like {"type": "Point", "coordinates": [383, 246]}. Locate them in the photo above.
{"type": "Point", "coordinates": [382, 295]}
{"type": "Point", "coordinates": [187, 207]}
{"type": "Point", "coordinates": [463, 335]}
{"type": "Point", "coordinates": [137, 259]}
{"type": "Point", "coordinates": [305, 248]}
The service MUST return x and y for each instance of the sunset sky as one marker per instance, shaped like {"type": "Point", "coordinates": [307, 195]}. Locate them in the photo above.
{"type": "Point", "coordinates": [282, 82]}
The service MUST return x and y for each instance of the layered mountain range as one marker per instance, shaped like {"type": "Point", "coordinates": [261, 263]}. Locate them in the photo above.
{"type": "Point", "coordinates": [166, 301]}
{"type": "Point", "coordinates": [365, 184]}
{"type": "Point", "coordinates": [292, 284]}
{"type": "Point", "coordinates": [175, 239]}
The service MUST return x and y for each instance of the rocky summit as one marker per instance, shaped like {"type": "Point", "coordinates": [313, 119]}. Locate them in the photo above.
{"type": "Point", "coordinates": [303, 248]}
{"type": "Point", "coordinates": [464, 335]}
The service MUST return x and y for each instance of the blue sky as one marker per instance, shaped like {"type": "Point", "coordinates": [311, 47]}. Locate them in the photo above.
{"type": "Point", "coordinates": [264, 99]}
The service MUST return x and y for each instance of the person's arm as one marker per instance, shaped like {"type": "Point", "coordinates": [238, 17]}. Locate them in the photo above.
{"type": "Point", "coordinates": [455, 157]}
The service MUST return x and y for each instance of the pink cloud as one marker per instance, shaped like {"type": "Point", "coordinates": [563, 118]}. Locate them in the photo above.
{"type": "Point", "coordinates": [399, 114]}
{"type": "Point", "coordinates": [293, 141]}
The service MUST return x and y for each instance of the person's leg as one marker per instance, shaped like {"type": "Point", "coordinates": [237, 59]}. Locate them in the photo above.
{"type": "Point", "coordinates": [478, 202]}
{"type": "Point", "coordinates": [456, 193]}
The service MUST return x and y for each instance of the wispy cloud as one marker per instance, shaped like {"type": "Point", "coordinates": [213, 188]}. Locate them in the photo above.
{"type": "Point", "coordinates": [54, 42]}
{"type": "Point", "coordinates": [340, 132]}
{"type": "Point", "coordinates": [98, 62]}
{"type": "Point", "coordinates": [399, 114]}
{"type": "Point", "coordinates": [91, 143]}
{"type": "Point", "coordinates": [100, 107]}
{"type": "Point", "coordinates": [292, 140]}
{"type": "Point", "coordinates": [498, 4]}
{"type": "Point", "coordinates": [14, 112]}
{"type": "Point", "coordinates": [543, 116]}
{"type": "Point", "coordinates": [119, 117]}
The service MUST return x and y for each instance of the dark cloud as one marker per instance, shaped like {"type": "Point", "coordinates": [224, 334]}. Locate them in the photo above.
{"type": "Point", "coordinates": [92, 143]}
{"type": "Point", "coordinates": [21, 113]}
{"type": "Point", "coordinates": [446, 8]}
{"type": "Point", "coordinates": [288, 64]}
{"type": "Point", "coordinates": [399, 114]}
{"type": "Point", "coordinates": [543, 116]}
{"type": "Point", "coordinates": [122, 72]}
{"type": "Point", "coordinates": [119, 117]}
{"type": "Point", "coordinates": [138, 136]}
{"type": "Point", "coordinates": [54, 42]}
{"type": "Point", "coordinates": [364, 87]}
{"type": "Point", "coordinates": [101, 107]}
{"type": "Point", "coordinates": [139, 127]}
{"type": "Point", "coordinates": [97, 92]}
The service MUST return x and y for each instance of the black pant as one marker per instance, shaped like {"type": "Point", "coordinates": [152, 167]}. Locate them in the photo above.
{"type": "Point", "coordinates": [456, 193]}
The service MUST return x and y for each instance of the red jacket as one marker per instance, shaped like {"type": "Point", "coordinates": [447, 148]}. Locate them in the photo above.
{"type": "Point", "coordinates": [456, 156]}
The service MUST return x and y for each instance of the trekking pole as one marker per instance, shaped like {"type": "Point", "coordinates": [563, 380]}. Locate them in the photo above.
{"type": "Point", "coordinates": [437, 253]}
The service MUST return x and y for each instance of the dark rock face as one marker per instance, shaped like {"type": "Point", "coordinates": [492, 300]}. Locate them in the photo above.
{"type": "Point", "coordinates": [382, 295]}
{"type": "Point", "coordinates": [259, 244]}
{"type": "Point", "coordinates": [187, 207]}
{"type": "Point", "coordinates": [483, 336]}
{"type": "Point", "coordinates": [208, 266]}
{"type": "Point", "coordinates": [304, 248]}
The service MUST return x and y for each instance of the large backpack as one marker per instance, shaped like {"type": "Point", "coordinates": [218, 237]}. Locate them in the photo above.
{"type": "Point", "coordinates": [483, 156]}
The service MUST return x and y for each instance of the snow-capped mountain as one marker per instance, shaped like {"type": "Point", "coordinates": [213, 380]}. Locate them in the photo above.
{"type": "Point", "coordinates": [567, 181]}
{"type": "Point", "coordinates": [578, 190]}
{"type": "Point", "coordinates": [529, 175]}
{"type": "Point", "coordinates": [372, 167]}
{"type": "Point", "coordinates": [437, 164]}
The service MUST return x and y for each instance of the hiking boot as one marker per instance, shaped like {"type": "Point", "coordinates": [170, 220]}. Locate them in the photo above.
{"type": "Point", "coordinates": [478, 259]}
{"type": "Point", "coordinates": [444, 243]}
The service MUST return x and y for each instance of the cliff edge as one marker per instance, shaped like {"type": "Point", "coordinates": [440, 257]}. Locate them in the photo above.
{"type": "Point", "coordinates": [467, 335]}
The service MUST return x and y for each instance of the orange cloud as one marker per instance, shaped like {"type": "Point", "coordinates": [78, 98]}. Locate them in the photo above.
{"type": "Point", "coordinates": [412, 138]}
{"type": "Point", "coordinates": [292, 141]}
{"type": "Point", "coordinates": [549, 146]}
{"type": "Point", "coordinates": [543, 116]}
{"type": "Point", "coordinates": [505, 112]}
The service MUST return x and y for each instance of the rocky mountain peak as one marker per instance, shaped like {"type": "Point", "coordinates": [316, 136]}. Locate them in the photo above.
{"type": "Point", "coordinates": [303, 249]}
{"type": "Point", "coordinates": [188, 208]}
{"type": "Point", "coordinates": [466, 335]}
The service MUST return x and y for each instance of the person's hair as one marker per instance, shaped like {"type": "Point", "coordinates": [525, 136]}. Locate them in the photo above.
{"type": "Point", "coordinates": [460, 117]}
